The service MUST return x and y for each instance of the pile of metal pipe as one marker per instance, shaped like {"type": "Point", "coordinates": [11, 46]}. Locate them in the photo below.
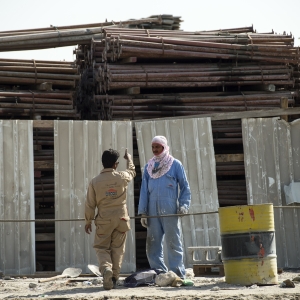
{"type": "Point", "coordinates": [43, 141]}
{"type": "Point", "coordinates": [232, 192]}
{"type": "Point", "coordinates": [59, 36]}
{"type": "Point", "coordinates": [231, 184]}
{"type": "Point", "coordinates": [226, 169]}
{"type": "Point", "coordinates": [155, 19]}
{"type": "Point", "coordinates": [123, 46]}
{"type": "Point", "coordinates": [227, 133]}
{"type": "Point", "coordinates": [22, 83]}
{"type": "Point", "coordinates": [33, 72]}
{"type": "Point", "coordinates": [44, 193]}
{"type": "Point", "coordinates": [237, 43]}
{"type": "Point", "coordinates": [247, 29]}
{"type": "Point", "coordinates": [186, 75]}
{"type": "Point", "coordinates": [37, 103]}
{"type": "Point", "coordinates": [83, 57]}
{"type": "Point", "coordinates": [248, 59]}
{"type": "Point", "coordinates": [243, 38]}
{"type": "Point", "coordinates": [152, 105]}
{"type": "Point", "coordinates": [44, 199]}
{"type": "Point", "coordinates": [296, 75]}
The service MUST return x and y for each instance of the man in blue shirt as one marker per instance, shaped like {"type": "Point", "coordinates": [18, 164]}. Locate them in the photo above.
{"type": "Point", "coordinates": [159, 195]}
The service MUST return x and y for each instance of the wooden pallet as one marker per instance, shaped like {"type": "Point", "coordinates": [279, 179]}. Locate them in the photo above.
{"type": "Point", "coordinates": [208, 269]}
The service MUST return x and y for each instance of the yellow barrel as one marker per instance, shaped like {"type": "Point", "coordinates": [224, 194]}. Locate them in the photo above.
{"type": "Point", "coordinates": [248, 244]}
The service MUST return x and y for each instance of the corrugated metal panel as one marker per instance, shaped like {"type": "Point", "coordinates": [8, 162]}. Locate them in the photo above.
{"type": "Point", "coordinates": [295, 137]}
{"type": "Point", "coordinates": [78, 150]}
{"type": "Point", "coordinates": [17, 240]}
{"type": "Point", "coordinates": [191, 142]}
{"type": "Point", "coordinates": [271, 154]}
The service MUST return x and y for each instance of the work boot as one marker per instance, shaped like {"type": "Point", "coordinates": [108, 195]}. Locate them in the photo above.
{"type": "Point", "coordinates": [107, 279]}
{"type": "Point", "coordinates": [114, 280]}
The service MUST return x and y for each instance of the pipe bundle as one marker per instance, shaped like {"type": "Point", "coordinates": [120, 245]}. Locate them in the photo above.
{"type": "Point", "coordinates": [112, 107]}
{"type": "Point", "coordinates": [231, 183]}
{"type": "Point", "coordinates": [32, 72]}
{"type": "Point", "coordinates": [237, 43]}
{"type": "Point", "coordinates": [186, 75]}
{"type": "Point", "coordinates": [59, 36]}
{"type": "Point", "coordinates": [170, 61]}
{"type": "Point", "coordinates": [31, 88]}
{"type": "Point", "coordinates": [242, 36]}
{"type": "Point", "coordinates": [15, 104]}
{"type": "Point", "coordinates": [45, 209]}
{"type": "Point", "coordinates": [122, 46]}
{"type": "Point", "coordinates": [232, 192]}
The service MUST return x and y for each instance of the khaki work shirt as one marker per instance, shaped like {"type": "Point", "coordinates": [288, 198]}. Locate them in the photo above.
{"type": "Point", "coordinates": [108, 192]}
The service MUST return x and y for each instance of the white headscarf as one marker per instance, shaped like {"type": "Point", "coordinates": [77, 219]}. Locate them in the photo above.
{"type": "Point", "coordinates": [164, 159]}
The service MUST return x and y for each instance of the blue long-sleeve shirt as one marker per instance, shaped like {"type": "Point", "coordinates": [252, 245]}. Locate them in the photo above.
{"type": "Point", "coordinates": [168, 188]}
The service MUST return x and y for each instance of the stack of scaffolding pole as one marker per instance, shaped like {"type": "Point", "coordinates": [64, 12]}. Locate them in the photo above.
{"type": "Point", "coordinates": [179, 61]}
{"type": "Point", "coordinates": [245, 38]}
{"type": "Point", "coordinates": [44, 191]}
{"type": "Point", "coordinates": [156, 19]}
{"type": "Point", "coordinates": [181, 104]}
{"type": "Point", "coordinates": [44, 194]}
{"type": "Point", "coordinates": [29, 104]}
{"type": "Point", "coordinates": [37, 87]}
{"type": "Point", "coordinates": [229, 133]}
{"type": "Point", "coordinates": [123, 46]}
{"type": "Point", "coordinates": [231, 184]}
{"type": "Point", "coordinates": [232, 192]}
{"type": "Point", "coordinates": [187, 75]}
{"type": "Point", "coordinates": [238, 43]}
{"type": "Point", "coordinates": [62, 75]}
{"type": "Point", "coordinates": [58, 36]}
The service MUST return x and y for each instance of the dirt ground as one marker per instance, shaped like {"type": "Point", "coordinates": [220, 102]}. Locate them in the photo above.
{"type": "Point", "coordinates": [90, 287]}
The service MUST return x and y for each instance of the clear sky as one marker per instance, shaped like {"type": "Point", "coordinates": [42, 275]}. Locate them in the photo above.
{"type": "Point", "coordinates": [265, 15]}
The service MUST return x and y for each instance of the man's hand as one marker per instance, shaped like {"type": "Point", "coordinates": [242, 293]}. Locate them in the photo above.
{"type": "Point", "coordinates": [88, 228]}
{"type": "Point", "coordinates": [144, 221]}
{"type": "Point", "coordinates": [182, 210]}
{"type": "Point", "coordinates": [127, 155]}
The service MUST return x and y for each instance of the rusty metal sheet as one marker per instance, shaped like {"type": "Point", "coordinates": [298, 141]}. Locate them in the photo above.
{"type": "Point", "coordinates": [271, 155]}
{"type": "Point", "coordinates": [17, 239]}
{"type": "Point", "coordinates": [191, 142]}
{"type": "Point", "coordinates": [78, 147]}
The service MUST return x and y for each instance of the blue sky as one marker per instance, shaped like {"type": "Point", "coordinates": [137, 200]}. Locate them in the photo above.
{"type": "Point", "coordinates": [265, 15]}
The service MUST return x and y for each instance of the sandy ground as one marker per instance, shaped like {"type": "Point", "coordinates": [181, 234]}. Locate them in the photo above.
{"type": "Point", "coordinates": [208, 287]}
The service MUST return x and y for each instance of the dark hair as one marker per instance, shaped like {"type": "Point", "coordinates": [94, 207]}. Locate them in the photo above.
{"type": "Point", "coordinates": [109, 157]}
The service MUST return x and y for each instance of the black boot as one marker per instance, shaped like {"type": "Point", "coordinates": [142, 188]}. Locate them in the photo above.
{"type": "Point", "coordinates": [114, 280]}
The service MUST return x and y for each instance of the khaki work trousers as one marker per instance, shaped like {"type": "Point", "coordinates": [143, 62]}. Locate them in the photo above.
{"type": "Point", "coordinates": [110, 238]}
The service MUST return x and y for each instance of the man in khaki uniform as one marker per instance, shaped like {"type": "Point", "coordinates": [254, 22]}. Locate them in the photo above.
{"type": "Point", "coordinates": [107, 193]}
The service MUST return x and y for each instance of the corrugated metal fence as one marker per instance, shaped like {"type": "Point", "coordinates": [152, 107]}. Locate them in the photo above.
{"type": "Point", "coordinates": [272, 160]}
{"type": "Point", "coordinates": [17, 240]}
{"type": "Point", "coordinates": [271, 154]}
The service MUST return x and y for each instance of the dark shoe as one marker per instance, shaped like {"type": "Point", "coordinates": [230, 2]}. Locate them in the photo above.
{"type": "Point", "coordinates": [114, 280]}
{"type": "Point", "coordinates": [107, 279]}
